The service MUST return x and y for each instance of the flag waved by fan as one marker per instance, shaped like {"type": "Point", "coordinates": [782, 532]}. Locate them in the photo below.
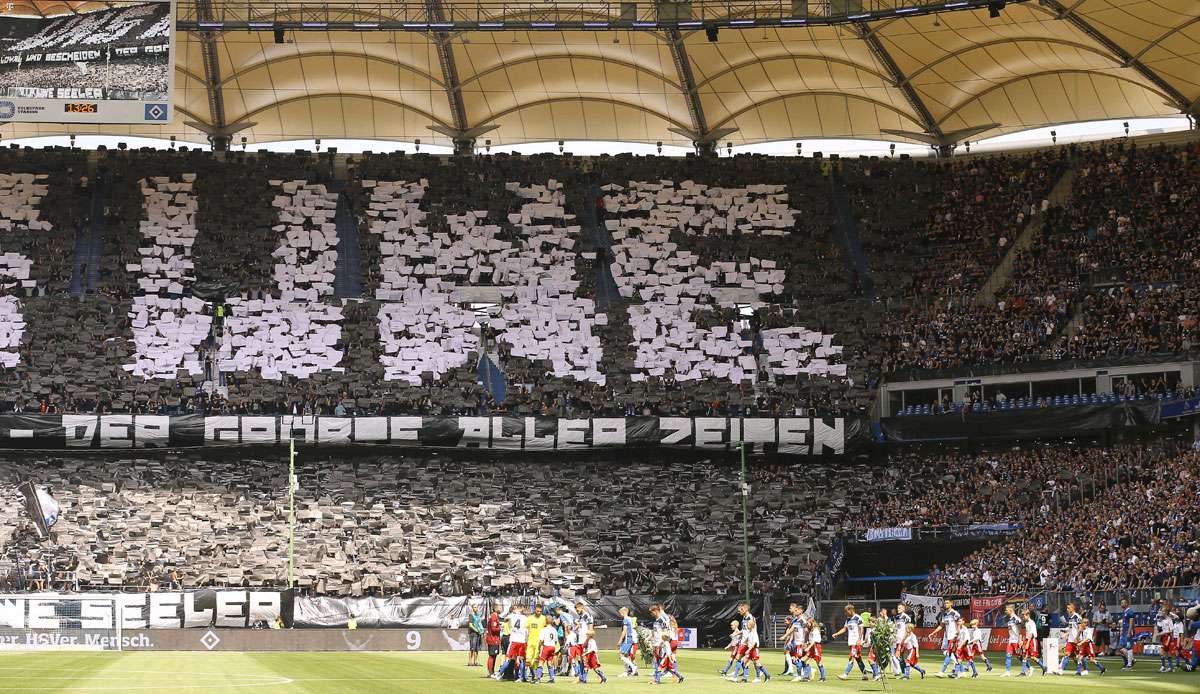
{"type": "Point", "coordinates": [42, 508]}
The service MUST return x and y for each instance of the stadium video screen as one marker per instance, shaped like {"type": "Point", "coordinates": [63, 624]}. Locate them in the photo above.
{"type": "Point", "coordinates": [109, 65]}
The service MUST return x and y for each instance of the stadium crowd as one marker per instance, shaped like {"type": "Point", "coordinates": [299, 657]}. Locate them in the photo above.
{"type": "Point", "coordinates": [926, 316]}
{"type": "Point", "coordinates": [421, 525]}
{"type": "Point", "coordinates": [1022, 485]}
{"type": "Point", "coordinates": [1132, 535]}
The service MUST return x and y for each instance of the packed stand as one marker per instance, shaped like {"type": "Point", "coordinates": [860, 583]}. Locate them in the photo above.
{"type": "Point", "coordinates": [1130, 239]}
{"type": "Point", "coordinates": [977, 209]}
{"type": "Point", "coordinates": [384, 525]}
{"type": "Point", "coordinates": [935, 487]}
{"type": "Point", "coordinates": [1135, 534]}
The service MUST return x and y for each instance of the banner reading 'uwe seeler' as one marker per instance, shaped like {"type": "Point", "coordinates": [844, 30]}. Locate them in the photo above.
{"type": "Point", "coordinates": [799, 436]}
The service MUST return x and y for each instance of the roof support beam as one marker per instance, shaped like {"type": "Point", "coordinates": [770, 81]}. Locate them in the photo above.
{"type": "Point", "coordinates": [701, 137]}
{"type": "Point", "coordinates": [933, 131]}
{"type": "Point", "coordinates": [1123, 56]}
{"type": "Point", "coordinates": [464, 142]}
{"type": "Point", "coordinates": [522, 15]}
{"type": "Point", "coordinates": [1163, 37]}
{"type": "Point", "coordinates": [218, 136]}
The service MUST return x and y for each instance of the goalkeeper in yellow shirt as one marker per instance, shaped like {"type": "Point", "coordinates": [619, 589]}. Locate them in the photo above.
{"type": "Point", "coordinates": [537, 622]}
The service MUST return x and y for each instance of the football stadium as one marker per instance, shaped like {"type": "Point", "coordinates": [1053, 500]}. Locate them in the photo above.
{"type": "Point", "coordinates": [431, 345]}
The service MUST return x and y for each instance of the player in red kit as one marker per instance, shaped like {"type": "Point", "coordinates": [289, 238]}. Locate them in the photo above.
{"type": "Point", "coordinates": [492, 639]}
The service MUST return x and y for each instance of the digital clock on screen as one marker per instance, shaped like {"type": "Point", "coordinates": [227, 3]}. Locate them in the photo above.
{"type": "Point", "coordinates": [82, 107]}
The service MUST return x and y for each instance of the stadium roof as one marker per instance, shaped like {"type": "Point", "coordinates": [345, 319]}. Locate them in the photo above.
{"type": "Point", "coordinates": [947, 75]}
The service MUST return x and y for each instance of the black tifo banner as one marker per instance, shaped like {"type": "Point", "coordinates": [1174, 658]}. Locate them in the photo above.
{"type": "Point", "coordinates": [248, 620]}
{"type": "Point", "coordinates": [799, 436]}
{"type": "Point", "coordinates": [158, 610]}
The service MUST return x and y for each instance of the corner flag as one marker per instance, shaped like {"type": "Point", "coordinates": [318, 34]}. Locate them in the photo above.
{"type": "Point", "coordinates": [43, 510]}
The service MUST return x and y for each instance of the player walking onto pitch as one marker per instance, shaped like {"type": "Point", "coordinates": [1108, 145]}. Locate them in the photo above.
{"type": "Point", "coordinates": [947, 626]}
{"type": "Point", "coordinates": [517, 635]}
{"type": "Point", "coordinates": [1012, 623]}
{"type": "Point", "coordinates": [734, 648]}
{"type": "Point", "coordinates": [1030, 646]}
{"type": "Point", "coordinates": [750, 645]}
{"type": "Point", "coordinates": [814, 647]}
{"type": "Point", "coordinates": [536, 622]}
{"type": "Point", "coordinates": [978, 646]}
{"type": "Point", "coordinates": [1087, 647]}
{"type": "Point", "coordinates": [1164, 629]}
{"type": "Point", "coordinates": [910, 658]}
{"type": "Point", "coordinates": [903, 622]}
{"type": "Point", "coordinates": [853, 629]}
{"type": "Point", "coordinates": [583, 626]}
{"type": "Point", "coordinates": [627, 645]}
{"type": "Point", "coordinates": [566, 621]}
{"type": "Point", "coordinates": [665, 659]}
{"type": "Point", "coordinates": [1070, 649]}
{"type": "Point", "coordinates": [591, 659]}
{"type": "Point", "coordinates": [964, 651]}
{"type": "Point", "coordinates": [547, 648]}
{"type": "Point", "coordinates": [1125, 639]}
{"type": "Point", "coordinates": [666, 629]}
{"type": "Point", "coordinates": [492, 639]}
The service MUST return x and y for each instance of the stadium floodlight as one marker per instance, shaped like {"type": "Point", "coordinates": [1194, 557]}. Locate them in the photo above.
{"type": "Point", "coordinates": [47, 622]}
{"type": "Point", "coordinates": [1054, 137]}
{"type": "Point", "coordinates": [659, 143]}
{"type": "Point", "coordinates": [712, 31]}
{"type": "Point", "coordinates": [417, 143]}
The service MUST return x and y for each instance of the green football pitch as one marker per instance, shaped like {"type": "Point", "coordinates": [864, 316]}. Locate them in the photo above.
{"type": "Point", "coordinates": [445, 673]}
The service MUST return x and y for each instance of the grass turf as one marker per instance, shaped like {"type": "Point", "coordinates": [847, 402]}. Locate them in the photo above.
{"type": "Point", "coordinates": [444, 673]}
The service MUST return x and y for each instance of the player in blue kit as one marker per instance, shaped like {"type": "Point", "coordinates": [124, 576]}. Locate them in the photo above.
{"type": "Point", "coordinates": [1125, 644]}
{"type": "Point", "coordinates": [627, 645]}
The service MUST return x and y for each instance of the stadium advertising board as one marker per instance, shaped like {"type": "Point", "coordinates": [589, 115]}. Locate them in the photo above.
{"type": "Point", "coordinates": [347, 640]}
{"type": "Point", "coordinates": [86, 65]}
{"type": "Point", "coordinates": [795, 436]}
{"type": "Point", "coordinates": [996, 639]}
